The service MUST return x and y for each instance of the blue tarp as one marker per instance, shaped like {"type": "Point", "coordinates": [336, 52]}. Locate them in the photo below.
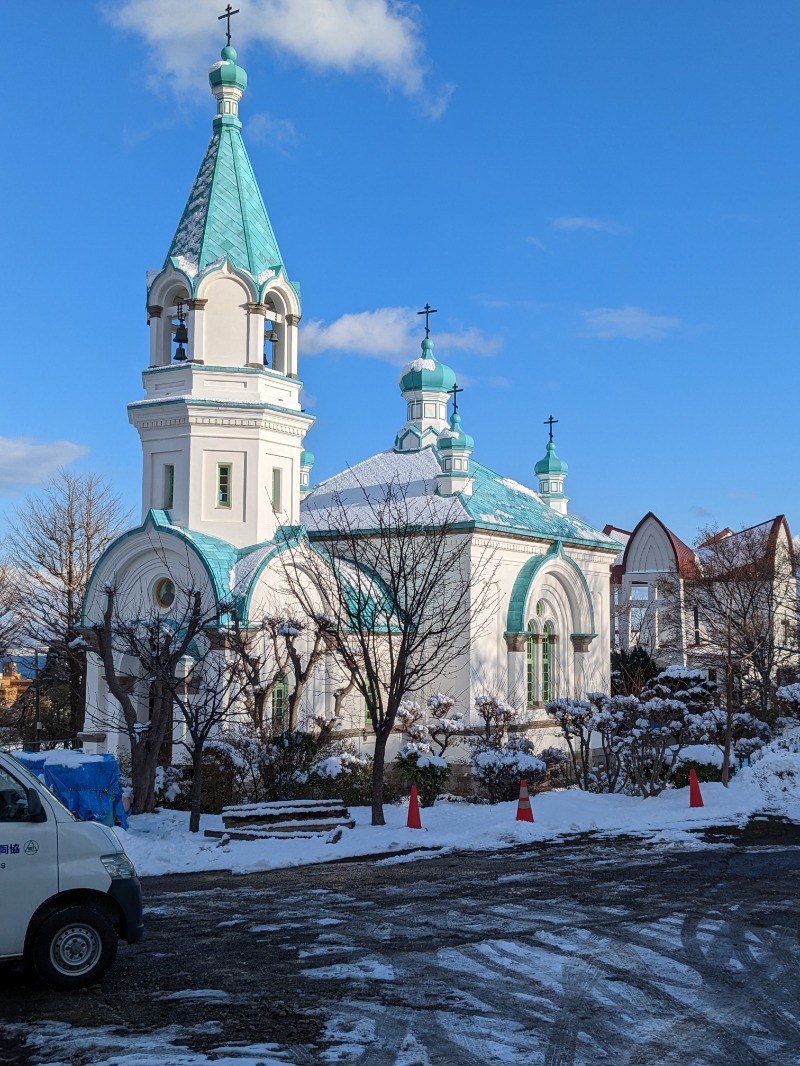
{"type": "Point", "coordinates": [87, 785]}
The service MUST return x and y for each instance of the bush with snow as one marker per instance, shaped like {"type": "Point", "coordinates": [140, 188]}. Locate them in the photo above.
{"type": "Point", "coordinates": [343, 774]}
{"type": "Point", "coordinates": [499, 770]}
{"type": "Point", "coordinates": [417, 765]}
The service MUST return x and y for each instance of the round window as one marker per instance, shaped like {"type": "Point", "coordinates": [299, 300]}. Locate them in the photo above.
{"type": "Point", "coordinates": [165, 592]}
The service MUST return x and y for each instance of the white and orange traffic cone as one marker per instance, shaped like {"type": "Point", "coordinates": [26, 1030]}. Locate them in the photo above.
{"type": "Point", "coordinates": [524, 811]}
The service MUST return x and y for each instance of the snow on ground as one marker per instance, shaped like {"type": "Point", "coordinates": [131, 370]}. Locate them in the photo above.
{"type": "Point", "coordinates": [111, 1046]}
{"type": "Point", "coordinates": [161, 843]}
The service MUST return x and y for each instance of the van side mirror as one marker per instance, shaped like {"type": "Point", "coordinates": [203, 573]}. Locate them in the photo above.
{"type": "Point", "coordinates": [36, 812]}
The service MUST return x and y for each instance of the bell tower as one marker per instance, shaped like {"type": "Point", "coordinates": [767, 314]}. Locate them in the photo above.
{"type": "Point", "coordinates": [220, 423]}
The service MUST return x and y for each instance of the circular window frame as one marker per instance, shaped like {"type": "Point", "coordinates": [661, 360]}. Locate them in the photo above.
{"type": "Point", "coordinates": [163, 585]}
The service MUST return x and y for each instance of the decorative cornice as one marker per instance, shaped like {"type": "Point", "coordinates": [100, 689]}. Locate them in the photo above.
{"type": "Point", "coordinates": [292, 320]}
{"type": "Point", "coordinates": [256, 309]}
{"type": "Point", "coordinates": [197, 305]}
{"type": "Point", "coordinates": [154, 311]}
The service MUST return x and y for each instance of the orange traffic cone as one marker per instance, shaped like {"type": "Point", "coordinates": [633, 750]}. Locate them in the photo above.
{"type": "Point", "coordinates": [695, 798]}
{"type": "Point", "coordinates": [414, 821]}
{"type": "Point", "coordinates": [524, 812]}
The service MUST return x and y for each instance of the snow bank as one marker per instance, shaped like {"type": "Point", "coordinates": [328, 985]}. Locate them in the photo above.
{"type": "Point", "coordinates": [161, 843]}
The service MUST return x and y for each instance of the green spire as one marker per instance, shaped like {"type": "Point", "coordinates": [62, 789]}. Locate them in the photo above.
{"type": "Point", "coordinates": [225, 216]}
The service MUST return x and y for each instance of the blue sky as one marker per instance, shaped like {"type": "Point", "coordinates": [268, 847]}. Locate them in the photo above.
{"type": "Point", "coordinates": [600, 196]}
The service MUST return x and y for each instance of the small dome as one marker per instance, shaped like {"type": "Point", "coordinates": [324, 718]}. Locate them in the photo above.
{"type": "Point", "coordinates": [551, 464]}
{"type": "Point", "coordinates": [226, 72]}
{"type": "Point", "coordinates": [306, 457]}
{"type": "Point", "coordinates": [426, 373]}
{"type": "Point", "coordinates": [454, 438]}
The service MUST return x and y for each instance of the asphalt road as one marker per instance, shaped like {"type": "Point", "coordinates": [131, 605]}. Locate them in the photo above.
{"type": "Point", "coordinates": [612, 953]}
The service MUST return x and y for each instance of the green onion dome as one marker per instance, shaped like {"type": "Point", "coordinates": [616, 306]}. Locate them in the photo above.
{"type": "Point", "coordinates": [454, 438]}
{"type": "Point", "coordinates": [551, 464]}
{"type": "Point", "coordinates": [426, 374]}
{"type": "Point", "coordinates": [226, 72]}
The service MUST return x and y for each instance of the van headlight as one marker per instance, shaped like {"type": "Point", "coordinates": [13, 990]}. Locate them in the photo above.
{"type": "Point", "coordinates": [117, 865]}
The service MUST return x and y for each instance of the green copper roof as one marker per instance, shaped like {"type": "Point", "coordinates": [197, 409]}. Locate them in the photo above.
{"type": "Point", "coordinates": [427, 373]}
{"type": "Point", "coordinates": [225, 216]}
{"type": "Point", "coordinates": [551, 464]}
{"type": "Point", "coordinates": [496, 503]}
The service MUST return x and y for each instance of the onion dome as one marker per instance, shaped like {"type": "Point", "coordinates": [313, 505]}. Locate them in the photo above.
{"type": "Point", "coordinates": [454, 438]}
{"type": "Point", "coordinates": [225, 72]}
{"type": "Point", "coordinates": [426, 374]}
{"type": "Point", "coordinates": [551, 465]}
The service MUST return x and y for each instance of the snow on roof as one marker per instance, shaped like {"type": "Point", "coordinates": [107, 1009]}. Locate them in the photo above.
{"type": "Point", "coordinates": [496, 502]}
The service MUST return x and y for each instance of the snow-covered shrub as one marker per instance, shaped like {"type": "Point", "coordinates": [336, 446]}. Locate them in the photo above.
{"type": "Point", "coordinates": [497, 717]}
{"type": "Point", "coordinates": [789, 695]}
{"type": "Point", "coordinates": [417, 765]}
{"type": "Point", "coordinates": [445, 723]}
{"type": "Point", "coordinates": [499, 770]}
{"type": "Point", "coordinates": [343, 774]}
{"type": "Point", "coordinates": [584, 724]}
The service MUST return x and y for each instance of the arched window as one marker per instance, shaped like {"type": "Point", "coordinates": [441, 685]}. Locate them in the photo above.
{"type": "Point", "coordinates": [530, 665]}
{"type": "Point", "coordinates": [547, 662]}
{"type": "Point", "coordinates": [279, 706]}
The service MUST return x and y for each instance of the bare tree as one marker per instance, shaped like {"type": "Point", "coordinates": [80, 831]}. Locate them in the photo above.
{"type": "Point", "coordinates": [399, 589]}
{"type": "Point", "coordinates": [54, 542]}
{"type": "Point", "coordinates": [742, 609]}
{"type": "Point", "coordinates": [211, 687]}
{"type": "Point", "coordinates": [159, 649]}
{"type": "Point", "coordinates": [10, 620]}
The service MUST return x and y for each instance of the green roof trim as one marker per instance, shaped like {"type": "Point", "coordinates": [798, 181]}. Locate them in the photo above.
{"type": "Point", "coordinates": [217, 556]}
{"type": "Point", "coordinates": [515, 621]}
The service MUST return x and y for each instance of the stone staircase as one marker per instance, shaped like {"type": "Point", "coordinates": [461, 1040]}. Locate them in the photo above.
{"type": "Point", "coordinates": [283, 820]}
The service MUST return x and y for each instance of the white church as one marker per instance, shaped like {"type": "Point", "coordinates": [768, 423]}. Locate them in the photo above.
{"type": "Point", "coordinates": [226, 476]}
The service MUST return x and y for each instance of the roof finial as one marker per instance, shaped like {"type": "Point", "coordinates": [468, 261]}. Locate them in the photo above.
{"type": "Point", "coordinates": [551, 422]}
{"type": "Point", "coordinates": [428, 312]}
{"type": "Point", "coordinates": [228, 12]}
{"type": "Point", "coordinates": [455, 391]}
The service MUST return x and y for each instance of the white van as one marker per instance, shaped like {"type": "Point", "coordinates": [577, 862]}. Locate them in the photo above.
{"type": "Point", "coordinates": [67, 888]}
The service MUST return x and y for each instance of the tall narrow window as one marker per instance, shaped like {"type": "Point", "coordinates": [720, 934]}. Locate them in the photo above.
{"type": "Point", "coordinates": [280, 704]}
{"type": "Point", "coordinates": [547, 663]}
{"type": "Point", "coordinates": [223, 485]}
{"type": "Point", "coordinates": [169, 486]}
{"type": "Point", "coordinates": [696, 613]}
{"type": "Point", "coordinates": [276, 489]}
{"type": "Point", "coordinates": [530, 665]}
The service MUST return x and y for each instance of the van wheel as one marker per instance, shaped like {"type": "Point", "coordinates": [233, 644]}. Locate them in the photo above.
{"type": "Point", "coordinates": [73, 947]}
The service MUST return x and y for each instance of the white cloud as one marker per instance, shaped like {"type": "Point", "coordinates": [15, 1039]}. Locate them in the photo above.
{"type": "Point", "coordinates": [25, 461]}
{"type": "Point", "coordinates": [392, 334]}
{"type": "Point", "coordinates": [598, 225]}
{"type": "Point", "coordinates": [630, 323]}
{"type": "Point", "coordinates": [346, 36]}
{"type": "Point", "coordinates": [538, 243]}
{"type": "Point", "coordinates": [279, 132]}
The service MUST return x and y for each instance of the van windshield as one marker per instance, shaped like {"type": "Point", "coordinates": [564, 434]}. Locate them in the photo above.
{"type": "Point", "coordinates": [23, 774]}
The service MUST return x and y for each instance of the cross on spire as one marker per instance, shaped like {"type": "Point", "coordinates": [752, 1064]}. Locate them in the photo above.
{"type": "Point", "coordinates": [551, 422]}
{"type": "Point", "coordinates": [428, 312]}
{"type": "Point", "coordinates": [455, 391]}
{"type": "Point", "coordinates": [228, 12]}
